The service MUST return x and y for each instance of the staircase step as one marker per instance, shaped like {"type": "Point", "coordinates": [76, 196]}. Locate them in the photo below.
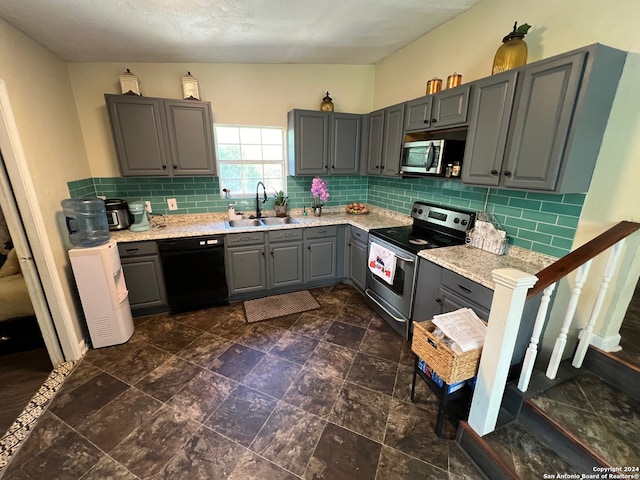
{"type": "Point", "coordinates": [596, 415]}
{"type": "Point", "coordinates": [511, 453]}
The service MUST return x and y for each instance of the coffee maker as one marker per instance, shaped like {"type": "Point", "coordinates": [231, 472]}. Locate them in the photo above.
{"type": "Point", "coordinates": [140, 217]}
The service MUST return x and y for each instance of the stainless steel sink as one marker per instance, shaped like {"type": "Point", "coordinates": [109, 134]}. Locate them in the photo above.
{"type": "Point", "coordinates": [255, 222]}
{"type": "Point", "coordinates": [244, 222]}
{"type": "Point", "coordinates": [277, 220]}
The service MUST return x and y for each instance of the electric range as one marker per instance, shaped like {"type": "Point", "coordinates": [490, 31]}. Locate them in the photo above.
{"type": "Point", "coordinates": [433, 226]}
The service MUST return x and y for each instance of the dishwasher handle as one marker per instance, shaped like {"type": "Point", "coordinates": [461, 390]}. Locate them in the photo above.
{"type": "Point", "coordinates": [190, 243]}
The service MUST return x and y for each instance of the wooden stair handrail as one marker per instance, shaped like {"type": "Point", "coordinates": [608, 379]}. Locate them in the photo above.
{"type": "Point", "coordinates": [589, 250]}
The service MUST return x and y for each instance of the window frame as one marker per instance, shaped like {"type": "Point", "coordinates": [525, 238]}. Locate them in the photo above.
{"type": "Point", "coordinates": [263, 162]}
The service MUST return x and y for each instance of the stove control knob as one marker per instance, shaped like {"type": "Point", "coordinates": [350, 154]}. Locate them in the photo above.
{"type": "Point", "coordinates": [415, 209]}
{"type": "Point", "coordinates": [420, 211]}
{"type": "Point", "coordinates": [463, 222]}
{"type": "Point", "coordinates": [456, 220]}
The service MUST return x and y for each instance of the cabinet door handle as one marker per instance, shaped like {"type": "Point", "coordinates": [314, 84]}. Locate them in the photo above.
{"type": "Point", "coordinates": [175, 167]}
{"type": "Point", "coordinates": [377, 167]}
{"type": "Point", "coordinates": [262, 253]}
{"type": "Point", "coordinates": [507, 173]}
{"type": "Point", "coordinates": [494, 172]}
{"type": "Point", "coordinates": [464, 289]}
{"type": "Point", "coordinates": [382, 167]}
{"type": "Point", "coordinates": [272, 253]}
{"type": "Point", "coordinates": [132, 250]}
{"type": "Point", "coordinates": [434, 120]}
{"type": "Point", "coordinates": [164, 167]}
{"type": "Point", "coordinates": [333, 166]}
{"type": "Point", "coordinates": [438, 300]}
{"type": "Point", "coordinates": [426, 121]}
{"type": "Point", "coordinates": [348, 244]}
{"type": "Point", "coordinates": [309, 247]}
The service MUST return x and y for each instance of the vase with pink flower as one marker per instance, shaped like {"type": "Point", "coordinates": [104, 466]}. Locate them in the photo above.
{"type": "Point", "coordinates": [320, 195]}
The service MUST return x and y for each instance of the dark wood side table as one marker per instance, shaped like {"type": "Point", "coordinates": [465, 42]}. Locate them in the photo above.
{"type": "Point", "coordinates": [444, 397]}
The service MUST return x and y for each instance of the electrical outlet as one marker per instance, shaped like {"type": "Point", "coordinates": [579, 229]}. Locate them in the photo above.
{"type": "Point", "coordinates": [148, 205]}
{"type": "Point", "coordinates": [171, 202]}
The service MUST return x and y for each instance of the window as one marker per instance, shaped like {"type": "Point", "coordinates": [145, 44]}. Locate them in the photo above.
{"type": "Point", "coordinates": [248, 155]}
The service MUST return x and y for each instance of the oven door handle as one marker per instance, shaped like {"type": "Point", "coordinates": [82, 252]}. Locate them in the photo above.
{"type": "Point", "coordinates": [405, 260]}
{"type": "Point", "coordinates": [397, 319]}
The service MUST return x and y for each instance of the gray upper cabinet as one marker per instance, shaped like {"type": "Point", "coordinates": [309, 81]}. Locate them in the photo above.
{"type": "Point", "coordinates": [161, 137]}
{"type": "Point", "coordinates": [489, 117]}
{"type": "Point", "coordinates": [558, 115]}
{"type": "Point", "coordinates": [189, 132]}
{"type": "Point", "coordinates": [374, 142]}
{"type": "Point", "coordinates": [323, 142]}
{"type": "Point", "coordinates": [384, 141]}
{"type": "Point", "coordinates": [442, 110]}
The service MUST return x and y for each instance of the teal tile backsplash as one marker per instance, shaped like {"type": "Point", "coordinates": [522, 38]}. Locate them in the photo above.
{"type": "Point", "coordinates": [542, 222]}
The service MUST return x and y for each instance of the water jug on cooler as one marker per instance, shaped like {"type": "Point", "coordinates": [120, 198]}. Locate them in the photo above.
{"type": "Point", "coordinates": [86, 221]}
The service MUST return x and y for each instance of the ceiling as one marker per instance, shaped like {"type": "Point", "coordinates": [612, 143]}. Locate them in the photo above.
{"type": "Point", "coordinates": [222, 31]}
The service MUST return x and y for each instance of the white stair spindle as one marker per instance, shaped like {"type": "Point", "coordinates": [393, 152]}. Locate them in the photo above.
{"type": "Point", "coordinates": [561, 341]}
{"type": "Point", "coordinates": [587, 332]}
{"type": "Point", "coordinates": [532, 349]}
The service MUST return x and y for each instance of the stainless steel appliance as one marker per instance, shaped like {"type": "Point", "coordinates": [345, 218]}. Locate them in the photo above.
{"type": "Point", "coordinates": [433, 227]}
{"type": "Point", "coordinates": [194, 272]}
{"type": "Point", "coordinates": [430, 157]}
{"type": "Point", "coordinates": [118, 215]}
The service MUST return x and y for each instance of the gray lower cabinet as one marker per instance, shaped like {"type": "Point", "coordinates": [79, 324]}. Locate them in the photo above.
{"type": "Point", "coordinates": [285, 258]}
{"type": "Point", "coordinates": [440, 290]}
{"type": "Point", "coordinates": [245, 263]}
{"type": "Point", "coordinates": [540, 127]}
{"type": "Point", "coordinates": [161, 137]}
{"type": "Point", "coordinates": [143, 276]}
{"type": "Point", "coordinates": [358, 241]}
{"type": "Point", "coordinates": [323, 143]}
{"type": "Point", "coordinates": [321, 248]}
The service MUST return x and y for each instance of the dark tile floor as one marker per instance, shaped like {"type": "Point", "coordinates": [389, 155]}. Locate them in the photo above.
{"type": "Point", "coordinates": [318, 395]}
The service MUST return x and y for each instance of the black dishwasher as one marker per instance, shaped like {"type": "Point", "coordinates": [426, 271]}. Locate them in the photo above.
{"type": "Point", "coordinates": [194, 273]}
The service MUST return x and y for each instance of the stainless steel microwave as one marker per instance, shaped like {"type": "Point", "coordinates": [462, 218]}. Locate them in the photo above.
{"type": "Point", "coordinates": [430, 157]}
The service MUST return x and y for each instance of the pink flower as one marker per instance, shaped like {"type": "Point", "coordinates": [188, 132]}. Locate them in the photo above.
{"type": "Point", "coordinates": [319, 192]}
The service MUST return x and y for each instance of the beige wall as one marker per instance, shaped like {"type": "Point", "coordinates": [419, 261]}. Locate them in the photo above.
{"type": "Point", "coordinates": [467, 45]}
{"type": "Point", "coordinates": [42, 102]}
{"type": "Point", "coordinates": [239, 93]}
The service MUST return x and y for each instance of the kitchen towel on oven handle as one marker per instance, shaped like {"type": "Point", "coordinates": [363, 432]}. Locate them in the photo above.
{"type": "Point", "coordinates": [382, 262]}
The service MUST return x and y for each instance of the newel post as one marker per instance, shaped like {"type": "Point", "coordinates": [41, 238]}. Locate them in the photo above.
{"type": "Point", "coordinates": [502, 329]}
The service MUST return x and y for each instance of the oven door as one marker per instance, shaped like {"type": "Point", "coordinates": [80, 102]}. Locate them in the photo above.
{"type": "Point", "coordinates": [394, 301]}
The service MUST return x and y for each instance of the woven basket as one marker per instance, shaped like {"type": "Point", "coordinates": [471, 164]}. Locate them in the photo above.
{"type": "Point", "coordinates": [450, 366]}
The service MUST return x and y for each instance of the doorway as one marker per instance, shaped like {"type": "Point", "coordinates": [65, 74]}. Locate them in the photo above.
{"type": "Point", "coordinates": [24, 360]}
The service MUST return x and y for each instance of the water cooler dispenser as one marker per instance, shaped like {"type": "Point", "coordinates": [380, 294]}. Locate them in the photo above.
{"type": "Point", "coordinates": [103, 293]}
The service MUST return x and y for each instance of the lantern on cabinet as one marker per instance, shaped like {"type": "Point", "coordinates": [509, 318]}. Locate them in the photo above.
{"type": "Point", "coordinates": [327, 104]}
{"type": "Point", "coordinates": [129, 83]}
{"type": "Point", "coordinates": [190, 87]}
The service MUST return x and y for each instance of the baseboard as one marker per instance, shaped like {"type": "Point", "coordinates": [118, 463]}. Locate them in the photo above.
{"type": "Point", "coordinates": [483, 457]}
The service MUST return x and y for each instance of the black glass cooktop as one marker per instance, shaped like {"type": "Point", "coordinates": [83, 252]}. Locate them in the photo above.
{"type": "Point", "coordinates": [413, 239]}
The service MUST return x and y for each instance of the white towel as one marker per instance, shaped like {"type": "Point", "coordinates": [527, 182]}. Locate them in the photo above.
{"type": "Point", "coordinates": [382, 262]}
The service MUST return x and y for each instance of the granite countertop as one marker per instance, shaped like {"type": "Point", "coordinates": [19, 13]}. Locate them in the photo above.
{"type": "Point", "coordinates": [192, 225]}
{"type": "Point", "coordinates": [476, 264]}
